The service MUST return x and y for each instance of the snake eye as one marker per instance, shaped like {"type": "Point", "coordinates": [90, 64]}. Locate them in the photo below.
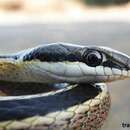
{"type": "Point", "coordinates": [93, 58]}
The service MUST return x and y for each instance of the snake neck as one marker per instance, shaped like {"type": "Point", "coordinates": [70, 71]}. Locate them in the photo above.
{"type": "Point", "coordinates": [9, 69]}
{"type": "Point", "coordinates": [18, 71]}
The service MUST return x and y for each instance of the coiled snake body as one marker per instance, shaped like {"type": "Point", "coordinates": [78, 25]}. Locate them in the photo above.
{"type": "Point", "coordinates": [71, 77]}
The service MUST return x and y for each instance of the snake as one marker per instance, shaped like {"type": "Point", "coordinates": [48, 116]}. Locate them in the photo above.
{"type": "Point", "coordinates": [59, 86]}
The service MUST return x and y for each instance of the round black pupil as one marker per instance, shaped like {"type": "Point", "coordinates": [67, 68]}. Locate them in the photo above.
{"type": "Point", "coordinates": [94, 59]}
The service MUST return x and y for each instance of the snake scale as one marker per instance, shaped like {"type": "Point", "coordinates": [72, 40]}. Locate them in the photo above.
{"type": "Point", "coordinates": [58, 86]}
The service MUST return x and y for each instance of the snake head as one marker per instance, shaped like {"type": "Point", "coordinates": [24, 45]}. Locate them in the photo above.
{"type": "Point", "coordinates": [61, 62]}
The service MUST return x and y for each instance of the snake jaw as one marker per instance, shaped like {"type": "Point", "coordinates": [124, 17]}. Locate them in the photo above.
{"type": "Point", "coordinates": [76, 72]}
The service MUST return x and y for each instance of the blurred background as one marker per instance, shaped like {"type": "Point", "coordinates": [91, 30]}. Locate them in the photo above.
{"type": "Point", "coordinates": [28, 23]}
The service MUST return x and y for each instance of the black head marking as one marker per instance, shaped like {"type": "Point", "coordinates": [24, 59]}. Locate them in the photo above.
{"type": "Point", "coordinates": [53, 53]}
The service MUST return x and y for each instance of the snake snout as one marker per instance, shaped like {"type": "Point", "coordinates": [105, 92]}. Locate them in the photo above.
{"type": "Point", "coordinates": [117, 62]}
{"type": "Point", "coordinates": [114, 65]}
